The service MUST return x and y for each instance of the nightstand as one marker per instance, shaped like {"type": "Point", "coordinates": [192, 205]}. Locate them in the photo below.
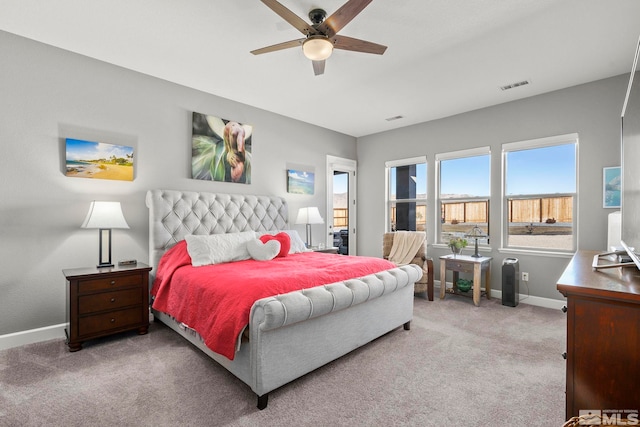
{"type": "Point", "coordinates": [325, 250]}
{"type": "Point", "coordinates": [105, 301]}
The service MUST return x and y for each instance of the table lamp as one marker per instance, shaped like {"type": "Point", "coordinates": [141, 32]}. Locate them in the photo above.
{"type": "Point", "coordinates": [308, 216]}
{"type": "Point", "coordinates": [476, 233]}
{"type": "Point", "coordinates": [104, 216]}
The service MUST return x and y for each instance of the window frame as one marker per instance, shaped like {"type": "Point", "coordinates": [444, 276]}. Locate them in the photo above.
{"type": "Point", "coordinates": [453, 155]}
{"type": "Point", "coordinates": [389, 202]}
{"type": "Point", "coordinates": [531, 144]}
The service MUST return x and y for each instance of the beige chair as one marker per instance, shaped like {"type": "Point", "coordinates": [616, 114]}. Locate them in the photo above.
{"type": "Point", "coordinates": [425, 284]}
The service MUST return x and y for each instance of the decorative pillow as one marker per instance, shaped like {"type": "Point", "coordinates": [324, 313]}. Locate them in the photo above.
{"type": "Point", "coordinates": [283, 238]}
{"type": "Point", "coordinates": [263, 251]}
{"type": "Point", "coordinates": [297, 245]}
{"type": "Point", "coordinates": [218, 248]}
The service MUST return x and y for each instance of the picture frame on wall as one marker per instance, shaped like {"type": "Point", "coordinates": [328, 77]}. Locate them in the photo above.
{"type": "Point", "coordinates": [300, 182]}
{"type": "Point", "coordinates": [98, 160]}
{"type": "Point", "coordinates": [611, 184]}
{"type": "Point", "coordinates": [221, 149]}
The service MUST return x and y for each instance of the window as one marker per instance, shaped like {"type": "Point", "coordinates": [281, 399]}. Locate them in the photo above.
{"type": "Point", "coordinates": [464, 189]}
{"type": "Point", "coordinates": [540, 194]}
{"type": "Point", "coordinates": [407, 194]}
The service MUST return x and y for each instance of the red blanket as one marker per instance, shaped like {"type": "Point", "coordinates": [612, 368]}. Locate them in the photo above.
{"type": "Point", "coordinates": [215, 300]}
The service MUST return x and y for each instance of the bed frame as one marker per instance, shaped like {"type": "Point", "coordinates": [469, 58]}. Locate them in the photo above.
{"type": "Point", "coordinates": [291, 334]}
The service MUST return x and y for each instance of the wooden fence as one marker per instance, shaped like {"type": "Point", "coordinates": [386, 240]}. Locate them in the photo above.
{"type": "Point", "coordinates": [559, 209]}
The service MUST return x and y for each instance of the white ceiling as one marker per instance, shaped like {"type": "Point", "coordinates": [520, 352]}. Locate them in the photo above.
{"type": "Point", "coordinates": [444, 57]}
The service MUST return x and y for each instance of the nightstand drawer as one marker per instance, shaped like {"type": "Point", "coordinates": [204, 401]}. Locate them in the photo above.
{"type": "Point", "coordinates": [463, 267]}
{"type": "Point", "coordinates": [109, 300]}
{"type": "Point", "coordinates": [112, 320]}
{"type": "Point", "coordinates": [109, 283]}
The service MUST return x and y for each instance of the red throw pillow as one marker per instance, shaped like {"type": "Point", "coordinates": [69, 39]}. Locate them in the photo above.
{"type": "Point", "coordinates": [283, 238]}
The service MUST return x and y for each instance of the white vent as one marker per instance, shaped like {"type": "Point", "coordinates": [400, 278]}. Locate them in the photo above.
{"type": "Point", "coordinates": [390, 119]}
{"type": "Point", "coordinates": [513, 85]}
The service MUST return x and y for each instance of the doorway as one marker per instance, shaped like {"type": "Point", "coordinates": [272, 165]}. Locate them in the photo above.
{"type": "Point", "coordinates": [341, 204]}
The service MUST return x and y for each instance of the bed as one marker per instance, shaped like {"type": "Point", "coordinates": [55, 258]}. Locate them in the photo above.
{"type": "Point", "coordinates": [286, 335]}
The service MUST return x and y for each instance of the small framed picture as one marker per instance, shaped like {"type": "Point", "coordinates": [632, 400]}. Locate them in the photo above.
{"type": "Point", "coordinates": [300, 182]}
{"type": "Point", "coordinates": [611, 187]}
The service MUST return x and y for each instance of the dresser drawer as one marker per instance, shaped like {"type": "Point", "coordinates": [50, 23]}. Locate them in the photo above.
{"type": "Point", "coordinates": [109, 283]}
{"type": "Point", "coordinates": [109, 300]}
{"type": "Point", "coordinates": [463, 267]}
{"type": "Point", "coordinates": [98, 323]}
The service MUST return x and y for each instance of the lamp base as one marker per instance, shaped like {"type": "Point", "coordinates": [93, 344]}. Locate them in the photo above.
{"type": "Point", "coordinates": [104, 265]}
{"type": "Point", "coordinates": [476, 254]}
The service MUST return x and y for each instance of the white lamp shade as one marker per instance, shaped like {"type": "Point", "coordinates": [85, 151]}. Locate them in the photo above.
{"type": "Point", "coordinates": [317, 48]}
{"type": "Point", "coordinates": [309, 215]}
{"type": "Point", "coordinates": [105, 215]}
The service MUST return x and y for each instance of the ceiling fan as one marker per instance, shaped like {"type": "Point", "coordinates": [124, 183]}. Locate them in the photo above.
{"type": "Point", "coordinates": [321, 36]}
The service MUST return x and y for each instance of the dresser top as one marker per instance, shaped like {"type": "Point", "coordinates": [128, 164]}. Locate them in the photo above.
{"type": "Point", "coordinates": [90, 271]}
{"type": "Point", "coordinates": [579, 278]}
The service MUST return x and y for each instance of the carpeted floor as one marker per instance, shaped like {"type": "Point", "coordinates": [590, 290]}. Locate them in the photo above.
{"type": "Point", "coordinates": [459, 365]}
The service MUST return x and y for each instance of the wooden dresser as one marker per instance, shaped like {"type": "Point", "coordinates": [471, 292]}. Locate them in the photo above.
{"type": "Point", "coordinates": [603, 336]}
{"type": "Point", "coordinates": [104, 301]}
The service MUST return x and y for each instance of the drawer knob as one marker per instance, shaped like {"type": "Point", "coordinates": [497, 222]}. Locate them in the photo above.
{"type": "Point", "coordinates": [113, 282]}
{"type": "Point", "coordinates": [113, 300]}
{"type": "Point", "coordinates": [113, 320]}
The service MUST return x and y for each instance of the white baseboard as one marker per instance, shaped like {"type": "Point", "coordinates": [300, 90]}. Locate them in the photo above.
{"type": "Point", "coordinates": [57, 331]}
{"type": "Point", "coordinates": [525, 299]}
{"type": "Point", "coordinates": [32, 336]}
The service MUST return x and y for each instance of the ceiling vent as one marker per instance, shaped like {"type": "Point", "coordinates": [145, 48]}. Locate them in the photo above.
{"type": "Point", "coordinates": [513, 85]}
{"type": "Point", "coordinates": [390, 119]}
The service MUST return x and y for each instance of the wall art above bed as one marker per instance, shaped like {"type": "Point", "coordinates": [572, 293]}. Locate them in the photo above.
{"type": "Point", "coordinates": [88, 159]}
{"type": "Point", "coordinates": [221, 149]}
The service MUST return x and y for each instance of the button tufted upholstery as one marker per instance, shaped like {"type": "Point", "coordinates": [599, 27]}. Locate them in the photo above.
{"type": "Point", "coordinates": [174, 214]}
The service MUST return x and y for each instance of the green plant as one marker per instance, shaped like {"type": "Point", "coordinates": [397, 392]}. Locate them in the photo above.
{"type": "Point", "coordinates": [458, 242]}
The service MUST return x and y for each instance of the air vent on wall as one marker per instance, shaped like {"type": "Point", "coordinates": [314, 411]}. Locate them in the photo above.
{"type": "Point", "coordinates": [513, 85]}
{"type": "Point", "coordinates": [390, 119]}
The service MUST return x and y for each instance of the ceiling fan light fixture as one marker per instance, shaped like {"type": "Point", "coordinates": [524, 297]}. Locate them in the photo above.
{"type": "Point", "coordinates": [317, 48]}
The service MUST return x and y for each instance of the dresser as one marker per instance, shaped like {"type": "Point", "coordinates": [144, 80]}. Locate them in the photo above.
{"type": "Point", "coordinates": [603, 336]}
{"type": "Point", "coordinates": [105, 301]}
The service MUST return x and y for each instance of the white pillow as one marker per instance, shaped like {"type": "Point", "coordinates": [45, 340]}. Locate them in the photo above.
{"type": "Point", "coordinates": [297, 245]}
{"type": "Point", "coordinates": [218, 248]}
{"type": "Point", "coordinates": [263, 251]}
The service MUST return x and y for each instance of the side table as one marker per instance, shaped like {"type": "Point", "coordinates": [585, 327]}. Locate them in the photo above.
{"type": "Point", "coordinates": [466, 264]}
{"type": "Point", "coordinates": [105, 301]}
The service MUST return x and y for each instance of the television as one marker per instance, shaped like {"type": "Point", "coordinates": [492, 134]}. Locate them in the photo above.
{"type": "Point", "coordinates": [630, 159]}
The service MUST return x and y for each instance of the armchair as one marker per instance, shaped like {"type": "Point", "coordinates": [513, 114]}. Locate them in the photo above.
{"type": "Point", "coordinates": [425, 284]}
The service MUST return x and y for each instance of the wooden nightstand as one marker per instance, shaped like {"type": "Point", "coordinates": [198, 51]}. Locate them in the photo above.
{"type": "Point", "coordinates": [325, 250]}
{"type": "Point", "coordinates": [105, 301]}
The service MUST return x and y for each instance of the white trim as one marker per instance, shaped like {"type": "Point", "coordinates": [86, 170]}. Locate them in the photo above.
{"type": "Point", "coordinates": [555, 304]}
{"type": "Point", "coordinates": [349, 166]}
{"type": "Point", "coordinates": [32, 336]}
{"type": "Point", "coordinates": [540, 142]}
{"type": "Point", "coordinates": [471, 152]}
{"type": "Point", "coordinates": [405, 162]}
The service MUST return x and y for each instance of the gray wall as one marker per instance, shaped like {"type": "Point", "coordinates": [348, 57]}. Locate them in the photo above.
{"type": "Point", "coordinates": [591, 110]}
{"type": "Point", "coordinates": [46, 95]}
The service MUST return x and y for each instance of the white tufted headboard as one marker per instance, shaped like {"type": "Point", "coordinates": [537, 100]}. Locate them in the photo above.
{"type": "Point", "coordinates": [174, 214]}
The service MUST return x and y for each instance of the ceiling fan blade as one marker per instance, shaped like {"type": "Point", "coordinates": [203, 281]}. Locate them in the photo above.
{"type": "Point", "coordinates": [279, 46]}
{"type": "Point", "coordinates": [342, 17]}
{"type": "Point", "coordinates": [318, 67]}
{"type": "Point", "coordinates": [357, 45]}
{"type": "Point", "coordinates": [290, 17]}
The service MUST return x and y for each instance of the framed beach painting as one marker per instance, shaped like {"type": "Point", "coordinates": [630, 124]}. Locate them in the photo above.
{"type": "Point", "coordinates": [220, 149]}
{"type": "Point", "coordinates": [88, 159]}
{"type": "Point", "coordinates": [611, 187]}
{"type": "Point", "coordinates": [300, 182]}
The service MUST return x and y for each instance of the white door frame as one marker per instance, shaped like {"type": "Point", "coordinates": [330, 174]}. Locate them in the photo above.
{"type": "Point", "coordinates": [344, 165]}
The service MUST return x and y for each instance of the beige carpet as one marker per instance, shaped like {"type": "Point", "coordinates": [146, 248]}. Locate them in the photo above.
{"type": "Point", "coordinates": [459, 365]}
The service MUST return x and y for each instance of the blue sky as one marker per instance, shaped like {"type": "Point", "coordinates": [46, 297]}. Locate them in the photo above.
{"type": "Point", "coordinates": [87, 150]}
{"type": "Point", "coordinates": [546, 170]}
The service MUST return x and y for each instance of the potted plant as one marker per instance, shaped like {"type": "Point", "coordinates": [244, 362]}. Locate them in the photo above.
{"type": "Point", "coordinates": [457, 243]}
